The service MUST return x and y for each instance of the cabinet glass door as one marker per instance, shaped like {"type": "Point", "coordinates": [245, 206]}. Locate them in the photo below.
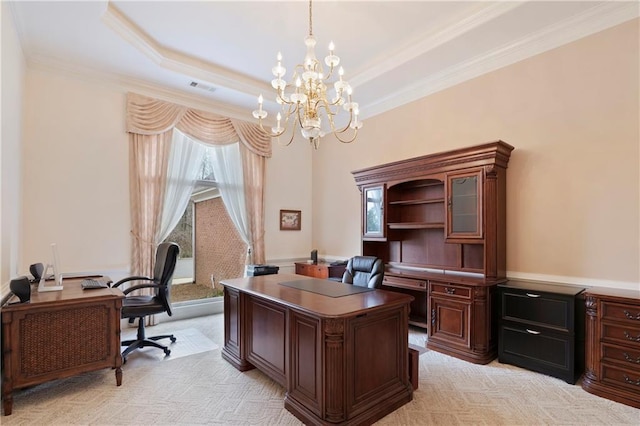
{"type": "Point", "coordinates": [465, 208]}
{"type": "Point", "coordinates": [373, 211]}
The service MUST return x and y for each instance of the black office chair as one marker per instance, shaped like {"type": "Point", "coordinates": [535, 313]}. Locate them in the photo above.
{"type": "Point", "coordinates": [140, 306]}
{"type": "Point", "coordinates": [364, 271]}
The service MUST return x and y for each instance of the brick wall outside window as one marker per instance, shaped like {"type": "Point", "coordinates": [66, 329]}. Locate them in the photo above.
{"type": "Point", "coordinates": [219, 251]}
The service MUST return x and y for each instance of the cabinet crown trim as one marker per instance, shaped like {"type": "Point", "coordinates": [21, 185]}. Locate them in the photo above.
{"type": "Point", "coordinates": [490, 154]}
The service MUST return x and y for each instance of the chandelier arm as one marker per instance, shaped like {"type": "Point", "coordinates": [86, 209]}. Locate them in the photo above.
{"type": "Point", "coordinates": [355, 133]}
{"type": "Point", "coordinates": [299, 116]}
{"type": "Point", "coordinates": [329, 74]}
{"type": "Point", "coordinates": [282, 99]}
{"type": "Point", "coordinates": [290, 139]}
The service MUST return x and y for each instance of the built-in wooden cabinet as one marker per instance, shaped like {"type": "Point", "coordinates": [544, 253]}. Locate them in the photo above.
{"type": "Point", "coordinates": [443, 226]}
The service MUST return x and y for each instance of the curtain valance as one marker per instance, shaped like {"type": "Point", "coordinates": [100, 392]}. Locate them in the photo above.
{"type": "Point", "coordinates": [148, 116]}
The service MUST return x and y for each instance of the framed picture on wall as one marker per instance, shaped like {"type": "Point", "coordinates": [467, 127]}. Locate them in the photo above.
{"type": "Point", "coordinates": [290, 220]}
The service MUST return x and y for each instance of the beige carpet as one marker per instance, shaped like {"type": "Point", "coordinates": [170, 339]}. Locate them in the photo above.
{"type": "Point", "coordinates": [204, 389]}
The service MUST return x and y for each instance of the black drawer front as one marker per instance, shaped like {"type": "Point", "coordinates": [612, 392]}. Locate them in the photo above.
{"type": "Point", "coordinates": [538, 309]}
{"type": "Point", "coordinates": [547, 352]}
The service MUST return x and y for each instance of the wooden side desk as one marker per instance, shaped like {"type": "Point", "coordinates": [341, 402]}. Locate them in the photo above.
{"type": "Point", "coordinates": [320, 270]}
{"type": "Point", "coordinates": [342, 359]}
{"type": "Point", "coordinates": [59, 334]}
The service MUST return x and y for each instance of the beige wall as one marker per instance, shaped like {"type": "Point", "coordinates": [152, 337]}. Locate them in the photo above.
{"type": "Point", "coordinates": [11, 87]}
{"type": "Point", "coordinates": [76, 174]}
{"type": "Point", "coordinates": [572, 115]}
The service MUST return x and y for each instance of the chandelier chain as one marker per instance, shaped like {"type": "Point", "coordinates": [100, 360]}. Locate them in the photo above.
{"type": "Point", "coordinates": [310, 20]}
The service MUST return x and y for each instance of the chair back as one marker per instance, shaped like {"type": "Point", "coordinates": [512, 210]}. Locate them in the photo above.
{"type": "Point", "coordinates": [166, 259]}
{"type": "Point", "coordinates": [364, 271]}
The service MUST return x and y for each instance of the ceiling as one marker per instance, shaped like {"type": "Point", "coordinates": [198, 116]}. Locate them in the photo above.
{"type": "Point", "coordinates": [393, 52]}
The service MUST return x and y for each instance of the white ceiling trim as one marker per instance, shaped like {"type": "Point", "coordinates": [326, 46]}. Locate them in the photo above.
{"type": "Point", "coordinates": [126, 83]}
{"type": "Point", "coordinates": [591, 21]}
{"type": "Point", "coordinates": [428, 41]}
{"type": "Point", "coordinates": [178, 62]}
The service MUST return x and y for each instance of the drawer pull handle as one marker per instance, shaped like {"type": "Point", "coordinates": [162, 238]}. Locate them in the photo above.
{"type": "Point", "coordinates": [631, 316]}
{"type": "Point", "coordinates": [630, 381]}
{"type": "Point", "coordinates": [532, 331]}
{"type": "Point", "coordinates": [532, 295]}
{"type": "Point", "coordinates": [630, 337]}
{"type": "Point", "coordinates": [630, 359]}
{"type": "Point", "coordinates": [450, 290]}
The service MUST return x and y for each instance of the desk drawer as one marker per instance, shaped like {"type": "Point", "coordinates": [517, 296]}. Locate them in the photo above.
{"type": "Point", "coordinates": [538, 309]}
{"type": "Point", "coordinates": [538, 349]}
{"type": "Point", "coordinates": [449, 290]}
{"type": "Point", "coordinates": [621, 333]}
{"type": "Point", "coordinates": [626, 356]}
{"type": "Point", "coordinates": [620, 377]}
{"type": "Point", "coordinates": [409, 283]}
{"type": "Point", "coordinates": [620, 311]}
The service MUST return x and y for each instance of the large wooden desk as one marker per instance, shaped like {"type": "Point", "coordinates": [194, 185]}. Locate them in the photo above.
{"type": "Point", "coordinates": [342, 360]}
{"type": "Point", "coordinates": [59, 334]}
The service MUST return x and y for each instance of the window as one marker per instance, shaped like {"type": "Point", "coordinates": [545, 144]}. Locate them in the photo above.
{"type": "Point", "coordinates": [211, 248]}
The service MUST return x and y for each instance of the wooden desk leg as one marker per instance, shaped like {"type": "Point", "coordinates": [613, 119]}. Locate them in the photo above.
{"type": "Point", "coordinates": [413, 367]}
{"type": "Point", "coordinates": [7, 367]}
{"type": "Point", "coordinates": [118, 376]}
{"type": "Point", "coordinates": [7, 403]}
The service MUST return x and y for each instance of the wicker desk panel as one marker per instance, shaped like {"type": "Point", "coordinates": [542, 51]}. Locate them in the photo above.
{"type": "Point", "coordinates": [59, 334]}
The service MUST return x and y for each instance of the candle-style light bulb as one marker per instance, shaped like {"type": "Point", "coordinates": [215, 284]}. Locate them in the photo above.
{"type": "Point", "coordinates": [341, 72]}
{"type": "Point", "coordinates": [331, 48]}
{"type": "Point", "coordinates": [260, 100]}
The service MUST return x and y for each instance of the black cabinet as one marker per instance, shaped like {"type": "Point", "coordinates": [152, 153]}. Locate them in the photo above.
{"type": "Point", "coordinates": [541, 328]}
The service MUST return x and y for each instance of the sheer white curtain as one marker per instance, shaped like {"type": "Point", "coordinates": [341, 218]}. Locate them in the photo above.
{"type": "Point", "coordinates": [185, 162]}
{"type": "Point", "coordinates": [227, 166]}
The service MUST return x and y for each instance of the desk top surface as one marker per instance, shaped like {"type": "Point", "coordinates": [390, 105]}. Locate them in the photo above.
{"type": "Point", "coordinates": [72, 291]}
{"type": "Point", "coordinates": [270, 287]}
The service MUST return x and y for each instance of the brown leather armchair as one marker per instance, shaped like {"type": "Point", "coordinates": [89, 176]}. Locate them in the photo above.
{"type": "Point", "coordinates": [140, 306]}
{"type": "Point", "coordinates": [364, 271]}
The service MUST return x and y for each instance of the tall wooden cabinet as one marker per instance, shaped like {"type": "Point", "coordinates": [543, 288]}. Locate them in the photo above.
{"type": "Point", "coordinates": [439, 224]}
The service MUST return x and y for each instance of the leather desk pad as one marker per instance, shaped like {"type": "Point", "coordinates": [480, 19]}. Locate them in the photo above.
{"type": "Point", "coordinates": [325, 287]}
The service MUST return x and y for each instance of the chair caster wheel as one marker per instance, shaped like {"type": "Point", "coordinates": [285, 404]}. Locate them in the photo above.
{"type": "Point", "coordinates": [124, 361]}
{"type": "Point", "coordinates": [173, 339]}
{"type": "Point", "coordinates": [167, 352]}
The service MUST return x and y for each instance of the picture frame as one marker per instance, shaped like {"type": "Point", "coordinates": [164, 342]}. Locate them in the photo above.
{"type": "Point", "coordinates": [290, 220]}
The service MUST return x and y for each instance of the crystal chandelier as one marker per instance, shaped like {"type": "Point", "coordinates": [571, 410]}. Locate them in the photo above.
{"type": "Point", "coordinates": [304, 101]}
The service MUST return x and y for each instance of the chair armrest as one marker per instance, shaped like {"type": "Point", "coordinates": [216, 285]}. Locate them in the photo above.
{"type": "Point", "coordinates": [124, 280]}
{"type": "Point", "coordinates": [138, 287]}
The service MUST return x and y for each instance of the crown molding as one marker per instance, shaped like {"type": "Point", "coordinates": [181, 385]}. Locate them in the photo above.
{"type": "Point", "coordinates": [176, 61]}
{"type": "Point", "coordinates": [428, 41]}
{"type": "Point", "coordinates": [128, 84]}
{"type": "Point", "coordinates": [596, 19]}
